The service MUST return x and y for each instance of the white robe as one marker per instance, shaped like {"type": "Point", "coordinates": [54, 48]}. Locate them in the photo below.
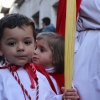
{"type": "Point", "coordinates": [86, 77]}
{"type": "Point", "coordinates": [11, 90]}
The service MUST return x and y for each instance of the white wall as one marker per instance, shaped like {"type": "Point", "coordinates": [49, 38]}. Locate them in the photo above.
{"type": "Point", "coordinates": [31, 7]}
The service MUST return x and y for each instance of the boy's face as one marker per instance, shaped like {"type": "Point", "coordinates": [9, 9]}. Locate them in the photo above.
{"type": "Point", "coordinates": [17, 45]}
{"type": "Point", "coordinates": [43, 25]}
{"type": "Point", "coordinates": [42, 54]}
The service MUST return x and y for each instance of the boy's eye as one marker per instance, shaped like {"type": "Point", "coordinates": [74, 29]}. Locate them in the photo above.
{"type": "Point", "coordinates": [12, 43]}
{"type": "Point", "coordinates": [27, 42]}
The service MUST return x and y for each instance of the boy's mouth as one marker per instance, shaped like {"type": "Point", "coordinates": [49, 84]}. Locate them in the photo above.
{"type": "Point", "coordinates": [21, 57]}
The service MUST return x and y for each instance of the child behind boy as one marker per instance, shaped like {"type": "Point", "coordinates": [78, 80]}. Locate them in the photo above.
{"type": "Point", "coordinates": [49, 53]}
{"type": "Point", "coordinates": [19, 79]}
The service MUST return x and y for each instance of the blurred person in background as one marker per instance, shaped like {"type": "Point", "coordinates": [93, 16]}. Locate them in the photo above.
{"type": "Point", "coordinates": [47, 27]}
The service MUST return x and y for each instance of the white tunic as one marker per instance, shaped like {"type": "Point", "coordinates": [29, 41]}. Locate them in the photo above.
{"type": "Point", "coordinates": [86, 77]}
{"type": "Point", "coordinates": [11, 90]}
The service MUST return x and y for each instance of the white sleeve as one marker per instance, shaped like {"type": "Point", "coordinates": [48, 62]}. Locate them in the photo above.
{"type": "Point", "coordinates": [57, 97]}
{"type": "Point", "coordinates": [55, 85]}
{"type": "Point", "coordinates": [53, 95]}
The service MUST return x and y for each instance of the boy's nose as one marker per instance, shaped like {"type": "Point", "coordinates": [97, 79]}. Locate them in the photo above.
{"type": "Point", "coordinates": [20, 47]}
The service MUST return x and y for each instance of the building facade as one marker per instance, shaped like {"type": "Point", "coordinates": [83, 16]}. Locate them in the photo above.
{"type": "Point", "coordinates": [36, 10]}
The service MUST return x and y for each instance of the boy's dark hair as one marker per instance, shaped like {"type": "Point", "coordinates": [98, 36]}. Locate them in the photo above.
{"type": "Point", "coordinates": [46, 20]}
{"type": "Point", "coordinates": [56, 44]}
{"type": "Point", "coordinates": [15, 20]}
